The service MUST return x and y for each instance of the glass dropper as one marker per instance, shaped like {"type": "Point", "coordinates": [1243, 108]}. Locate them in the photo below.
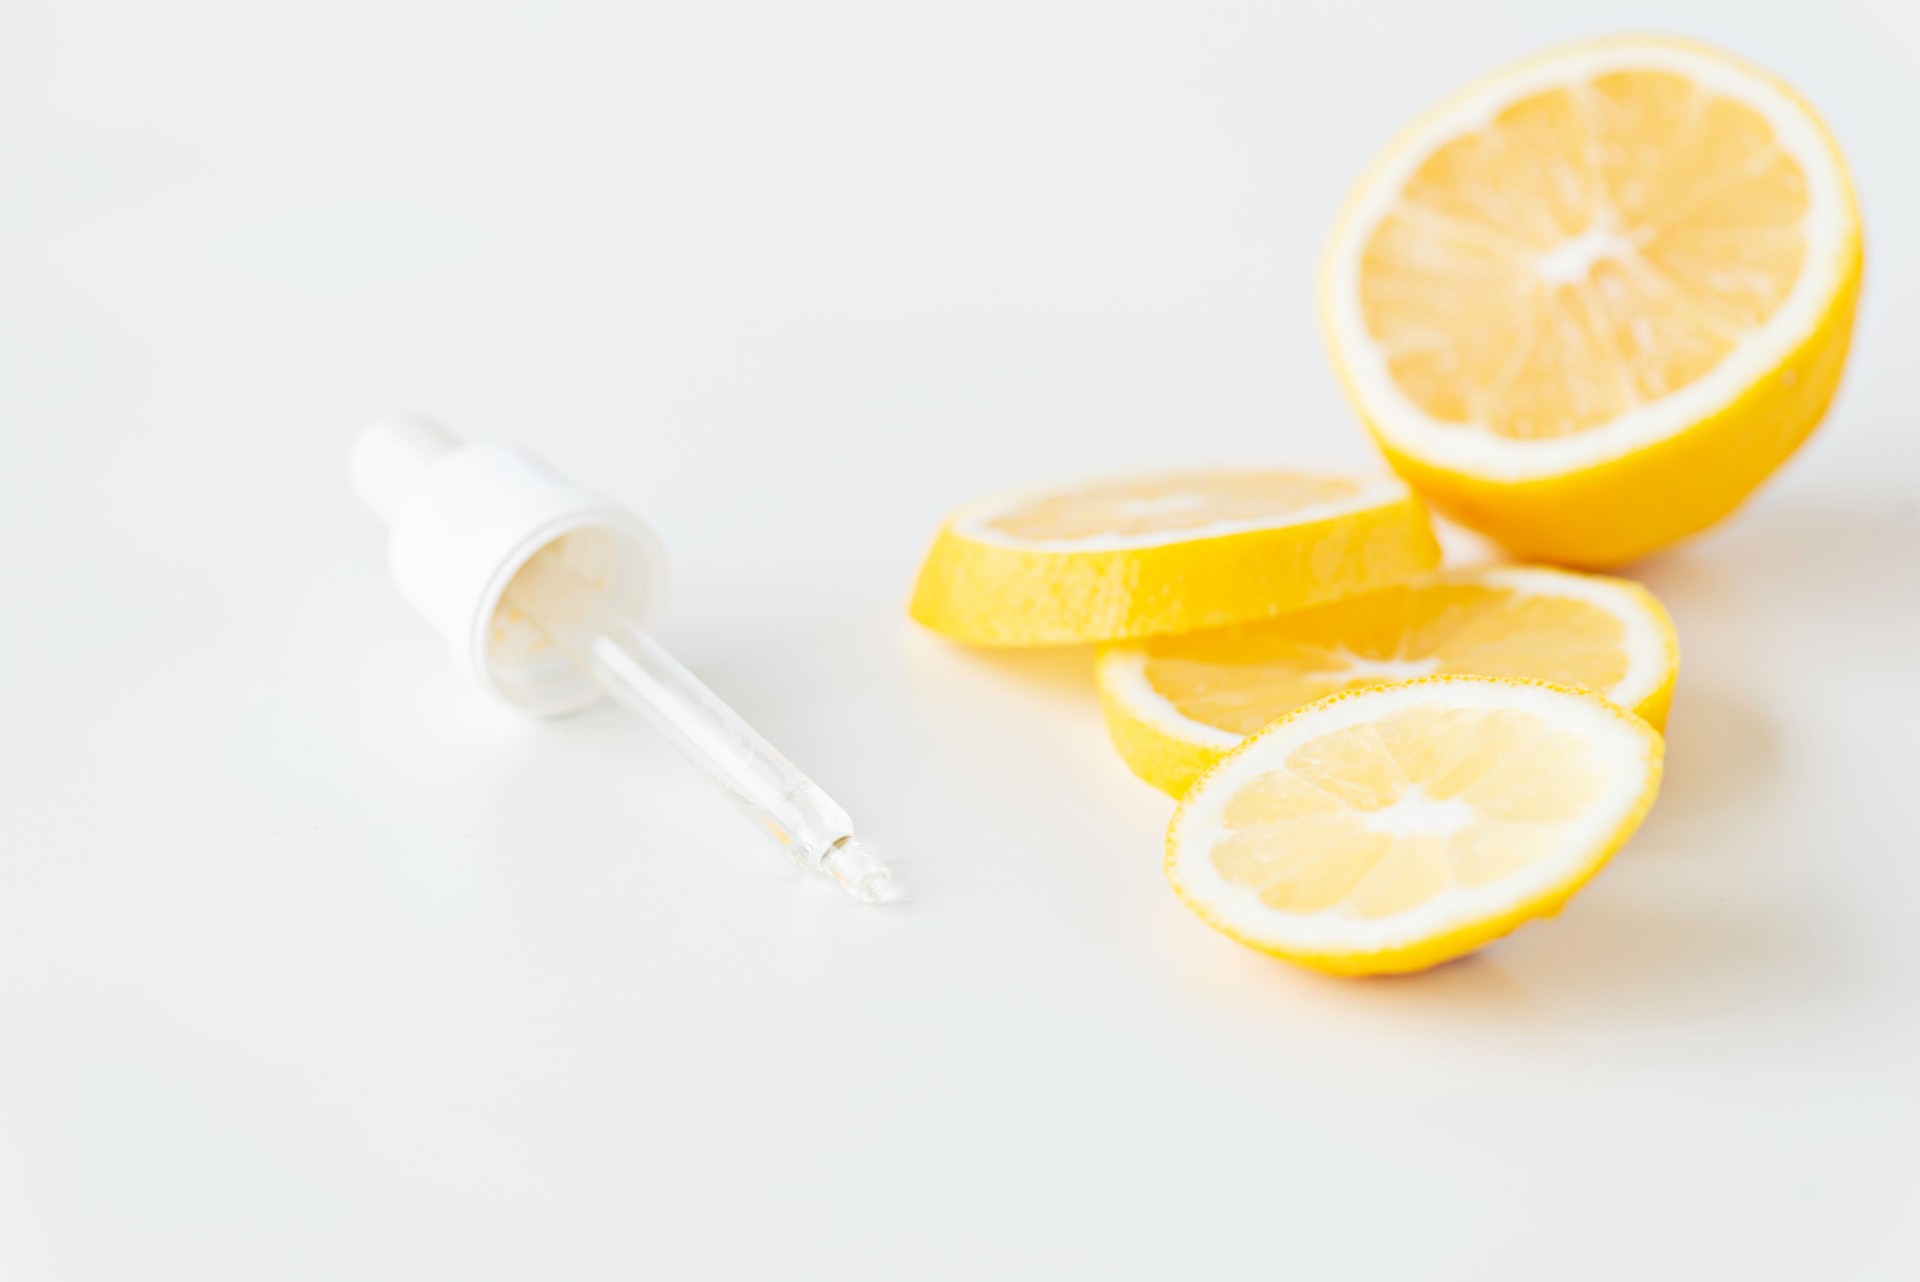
{"type": "Point", "coordinates": [642, 676]}
{"type": "Point", "coordinates": [461, 517]}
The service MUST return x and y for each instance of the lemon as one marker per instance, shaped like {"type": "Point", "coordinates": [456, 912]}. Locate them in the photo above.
{"type": "Point", "coordinates": [1139, 556]}
{"type": "Point", "coordinates": [1175, 705]}
{"type": "Point", "coordinates": [1391, 828]}
{"type": "Point", "coordinates": [1590, 303]}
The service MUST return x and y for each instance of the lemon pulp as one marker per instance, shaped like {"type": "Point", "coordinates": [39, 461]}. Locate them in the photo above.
{"type": "Point", "coordinates": [1593, 248]}
{"type": "Point", "coordinates": [1391, 828]}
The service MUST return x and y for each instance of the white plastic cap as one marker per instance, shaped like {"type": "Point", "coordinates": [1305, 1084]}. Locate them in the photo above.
{"type": "Point", "coordinates": [463, 519]}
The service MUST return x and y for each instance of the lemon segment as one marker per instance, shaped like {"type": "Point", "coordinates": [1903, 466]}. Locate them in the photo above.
{"type": "Point", "coordinates": [1141, 556]}
{"type": "Point", "coordinates": [1589, 304]}
{"type": "Point", "coordinates": [1392, 828]}
{"type": "Point", "coordinates": [1176, 705]}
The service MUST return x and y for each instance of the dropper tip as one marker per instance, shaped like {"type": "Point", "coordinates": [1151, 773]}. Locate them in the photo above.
{"type": "Point", "coordinates": [859, 871]}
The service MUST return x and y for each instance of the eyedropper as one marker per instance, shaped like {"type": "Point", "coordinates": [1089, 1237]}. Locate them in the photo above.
{"type": "Point", "coordinates": [545, 593]}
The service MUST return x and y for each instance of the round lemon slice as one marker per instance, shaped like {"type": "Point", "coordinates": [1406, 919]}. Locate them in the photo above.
{"type": "Point", "coordinates": [1590, 303]}
{"type": "Point", "coordinates": [1176, 705]}
{"type": "Point", "coordinates": [1139, 556]}
{"type": "Point", "coordinates": [1392, 828]}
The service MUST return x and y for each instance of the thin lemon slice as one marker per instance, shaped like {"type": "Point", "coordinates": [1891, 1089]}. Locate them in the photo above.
{"type": "Point", "coordinates": [1392, 828]}
{"type": "Point", "coordinates": [1593, 301]}
{"type": "Point", "coordinates": [1139, 556]}
{"type": "Point", "coordinates": [1176, 705]}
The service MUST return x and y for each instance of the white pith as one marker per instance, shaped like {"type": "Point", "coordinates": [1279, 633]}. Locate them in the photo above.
{"type": "Point", "coordinates": [1416, 813]}
{"type": "Point", "coordinates": [1123, 668]}
{"type": "Point", "coordinates": [1574, 260]}
{"type": "Point", "coordinates": [971, 522]}
{"type": "Point", "coordinates": [1356, 667]}
{"type": "Point", "coordinates": [1474, 449]}
{"type": "Point", "coordinates": [1622, 746]}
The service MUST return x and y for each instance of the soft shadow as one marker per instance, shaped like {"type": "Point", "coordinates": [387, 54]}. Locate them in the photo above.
{"type": "Point", "coordinates": [1064, 670]}
{"type": "Point", "coordinates": [1622, 960]}
{"type": "Point", "coordinates": [1819, 555]}
{"type": "Point", "coordinates": [1721, 754]}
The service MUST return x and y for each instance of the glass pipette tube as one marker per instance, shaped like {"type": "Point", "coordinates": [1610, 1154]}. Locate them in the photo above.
{"type": "Point", "coordinates": [640, 675]}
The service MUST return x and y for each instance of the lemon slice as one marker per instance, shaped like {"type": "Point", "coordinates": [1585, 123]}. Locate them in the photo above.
{"type": "Point", "coordinates": [1590, 303]}
{"type": "Point", "coordinates": [1139, 556]}
{"type": "Point", "coordinates": [1176, 705]}
{"type": "Point", "coordinates": [1395, 827]}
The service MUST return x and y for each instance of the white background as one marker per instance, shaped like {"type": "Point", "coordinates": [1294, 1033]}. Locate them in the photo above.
{"type": "Point", "coordinates": [314, 964]}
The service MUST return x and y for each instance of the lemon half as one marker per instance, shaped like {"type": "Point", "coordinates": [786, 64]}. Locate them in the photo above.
{"type": "Point", "coordinates": [1590, 303]}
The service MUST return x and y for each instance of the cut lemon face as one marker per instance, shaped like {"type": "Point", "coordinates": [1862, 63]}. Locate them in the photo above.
{"type": "Point", "coordinates": [1392, 828]}
{"type": "Point", "coordinates": [1589, 304]}
{"type": "Point", "coordinates": [1176, 705]}
{"type": "Point", "coordinates": [1171, 552]}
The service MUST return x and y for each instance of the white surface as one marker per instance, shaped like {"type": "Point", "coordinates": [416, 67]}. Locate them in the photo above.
{"type": "Point", "coordinates": [315, 964]}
